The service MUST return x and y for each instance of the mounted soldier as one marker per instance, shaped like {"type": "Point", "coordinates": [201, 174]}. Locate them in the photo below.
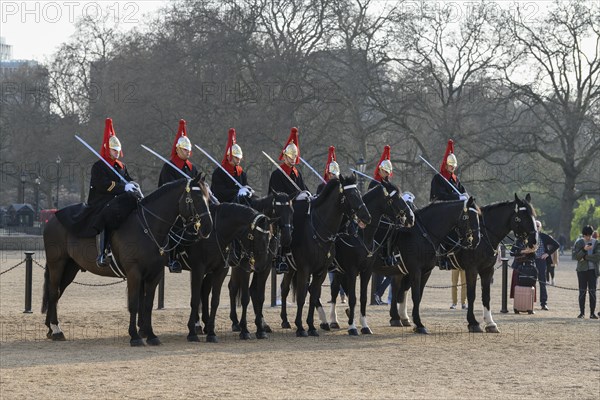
{"type": "Point", "coordinates": [227, 191]}
{"type": "Point", "coordinates": [180, 154]}
{"type": "Point", "coordinates": [446, 186]}
{"type": "Point", "coordinates": [290, 155]}
{"type": "Point", "coordinates": [332, 169]}
{"type": "Point", "coordinates": [222, 185]}
{"type": "Point", "coordinates": [110, 200]}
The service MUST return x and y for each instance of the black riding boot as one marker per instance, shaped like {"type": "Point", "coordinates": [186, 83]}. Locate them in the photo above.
{"type": "Point", "coordinates": [390, 260]}
{"type": "Point", "coordinates": [174, 265]}
{"type": "Point", "coordinates": [281, 265]}
{"type": "Point", "coordinates": [444, 264]}
{"type": "Point", "coordinates": [104, 259]}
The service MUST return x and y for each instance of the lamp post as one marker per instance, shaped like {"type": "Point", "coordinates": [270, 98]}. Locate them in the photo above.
{"type": "Point", "coordinates": [37, 181]}
{"type": "Point", "coordinates": [23, 180]}
{"type": "Point", "coordinates": [58, 160]}
{"type": "Point", "coordinates": [361, 164]}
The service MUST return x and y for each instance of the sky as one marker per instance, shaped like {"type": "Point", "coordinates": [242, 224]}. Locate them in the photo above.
{"type": "Point", "coordinates": [36, 28]}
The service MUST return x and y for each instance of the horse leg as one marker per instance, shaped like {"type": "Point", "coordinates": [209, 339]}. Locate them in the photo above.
{"type": "Point", "coordinates": [335, 290]}
{"type": "Point", "coordinates": [205, 294]}
{"type": "Point", "coordinates": [257, 293]}
{"type": "Point", "coordinates": [315, 303]}
{"type": "Point", "coordinates": [196, 279]}
{"type": "Point", "coordinates": [486, 280]}
{"type": "Point", "coordinates": [146, 310]}
{"type": "Point", "coordinates": [416, 298]}
{"type": "Point", "coordinates": [140, 316]}
{"type": "Point", "coordinates": [471, 275]}
{"type": "Point", "coordinates": [351, 294]}
{"type": "Point", "coordinates": [133, 303]}
{"type": "Point", "coordinates": [57, 277]}
{"type": "Point", "coordinates": [300, 299]}
{"type": "Point", "coordinates": [397, 287]}
{"type": "Point", "coordinates": [234, 287]}
{"type": "Point", "coordinates": [365, 276]}
{"type": "Point", "coordinates": [285, 290]}
{"type": "Point", "coordinates": [217, 283]}
{"type": "Point", "coordinates": [245, 334]}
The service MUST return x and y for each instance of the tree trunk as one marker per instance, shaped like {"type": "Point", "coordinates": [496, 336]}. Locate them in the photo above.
{"type": "Point", "coordinates": [567, 203]}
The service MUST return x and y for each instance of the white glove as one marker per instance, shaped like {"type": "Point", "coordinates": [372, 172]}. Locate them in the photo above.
{"type": "Point", "coordinates": [130, 187]}
{"type": "Point", "coordinates": [243, 192]}
{"type": "Point", "coordinates": [408, 197]}
{"type": "Point", "coordinates": [250, 190]}
{"type": "Point", "coordinates": [463, 197]}
{"type": "Point", "coordinates": [303, 195]}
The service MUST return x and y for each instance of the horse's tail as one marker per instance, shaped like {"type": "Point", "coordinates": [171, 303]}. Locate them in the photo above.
{"type": "Point", "coordinates": [46, 296]}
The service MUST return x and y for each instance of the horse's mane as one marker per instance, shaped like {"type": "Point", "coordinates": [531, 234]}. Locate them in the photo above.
{"type": "Point", "coordinates": [235, 207]}
{"type": "Point", "coordinates": [499, 204]}
{"type": "Point", "coordinates": [371, 193]}
{"type": "Point", "coordinates": [430, 205]}
{"type": "Point", "coordinates": [333, 184]}
{"type": "Point", "coordinates": [161, 190]}
{"type": "Point", "coordinates": [264, 202]}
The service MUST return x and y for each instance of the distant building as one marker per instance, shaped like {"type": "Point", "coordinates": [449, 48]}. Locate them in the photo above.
{"type": "Point", "coordinates": [5, 50]}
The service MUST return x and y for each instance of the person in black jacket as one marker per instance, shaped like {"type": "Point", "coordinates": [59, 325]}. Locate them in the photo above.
{"type": "Point", "coordinates": [546, 247]}
{"type": "Point", "coordinates": [290, 155]}
{"type": "Point", "coordinates": [109, 197]}
{"type": "Point", "coordinates": [180, 157]}
{"type": "Point", "coordinates": [222, 186]}
{"type": "Point", "coordinates": [442, 184]}
{"type": "Point", "coordinates": [332, 169]}
{"type": "Point", "coordinates": [180, 154]}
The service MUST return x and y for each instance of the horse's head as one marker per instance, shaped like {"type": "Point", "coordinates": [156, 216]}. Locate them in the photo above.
{"type": "Point", "coordinates": [256, 239]}
{"type": "Point", "coordinates": [468, 226]}
{"type": "Point", "coordinates": [283, 211]}
{"type": "Point", "coordinates": [396, 207]}
{"type": "Point", "coordinates": [193, 207]}
{"type": "Point", "coordinates": [353, 200]}
{"type": "Point", "coordinates": [522, 221]}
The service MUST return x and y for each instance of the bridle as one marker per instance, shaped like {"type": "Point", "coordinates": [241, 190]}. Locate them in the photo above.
{"type": "Point", "coordinates": [182, 228]}
{"type": "Point", "coordinates": [248, 242]}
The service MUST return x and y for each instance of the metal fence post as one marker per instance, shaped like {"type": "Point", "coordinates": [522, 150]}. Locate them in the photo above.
{"type": "Point", "coordinates": [504, 279]}
{"type": "Point", "coordinates": [161, 292]}
{"type": "Point", "coordinates": [28, 280]}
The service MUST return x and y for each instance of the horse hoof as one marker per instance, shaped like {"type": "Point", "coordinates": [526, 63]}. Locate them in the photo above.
{"type": "Point", "coordinates": [422, 330]}
{"type": "Point", "coordinates": [153, 342]}
{"type": "Point", "coordinates": [142, 334]}
{"type": "Point", "coordinates": [261, 335]}
{"type": "Point", "coordinates": [199, 331]}
{"type": "Point", "coordinates": [325, 326]}
{"type": "Point", "coordinates": [395, 322]}
{"type": "Point", "coordinates": [137, 342]}
{"type": "Point", "coordinates": [235, 328]}
{"type": "Point", "coordinates": [212, 339]}
{"type": "Point", "coordinates": [58, 337]}
{"type": "Point", "coordinates": [405, 322]}
{"type": "Point", "coordinates": [193, 338]}
{"type": "Point", "coordinates": [244, 335]}
{"type": "Point", "coordinates": [267, 328]}
{"type": "Point", "coordinates": [313, 332]}
{"type": "Point", "coordinates": [492, 329]}
{"type": "Point", "coordinates": [286, 325]}
{"type": "Point", "coordinates": [366, 331]}
{"type": "Point", "coordinates": [334, 325]}
{"type": "Point", "coordinates": [475, 329]}
{"type": "Point", "coordinates": [301, 333]}
{"type": "Point", "coordinates": [347, 311]}
{"type": "Point", "coordinates": [353, 332]}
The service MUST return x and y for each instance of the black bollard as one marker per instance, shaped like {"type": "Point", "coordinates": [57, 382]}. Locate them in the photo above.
{"type": "Point", "coordinates": [504, 279]}
{"type": "Point", "coordinates": [161, 292]}
{"type": "Point", "coordinates": [28, 280]}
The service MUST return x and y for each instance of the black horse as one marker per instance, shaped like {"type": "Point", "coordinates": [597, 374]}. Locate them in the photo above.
{"type": "Point", "coordinates": [497, 221]}
{"type": "Point", "coordinates": [355, 253]}
{"type": "Point", "coordinates": [316, 227]}
{"type": "Point", "coordinates": [278, 207]}
{"type": "Point", "coordinates": [207, 259]}
{"type": "Point", "coordinates": [138, 246]}
{"type": "Point", "coordinates": [419, 247]}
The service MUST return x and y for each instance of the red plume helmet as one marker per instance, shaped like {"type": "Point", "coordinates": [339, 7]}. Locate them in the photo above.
{"type": "Point", "coordinates": [330, 158]}
{"type": "Point", "coordinates": [288, 148]}
{"type": "Point", "coordinates": [181, 140]}
{"type": "Point", "coordinates": [443, 170]}
{"type": "Point", "coordinates": [109, 132]}
{"type": "Point", "coordinates": [181, 132]}
{"type": "Point", "coordinates": [230, 150]}
{"type": "Point", "coordinates": [384, 156]}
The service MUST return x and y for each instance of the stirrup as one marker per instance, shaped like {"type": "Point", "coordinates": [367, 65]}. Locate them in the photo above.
{"type": "Point", "coordinates": [175, 266]}
{"type": "Point", "coordinates": [104, 260]}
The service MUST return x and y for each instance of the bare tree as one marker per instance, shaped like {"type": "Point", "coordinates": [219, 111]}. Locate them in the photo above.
{"type": "Point", "coordinates": [558, 81]}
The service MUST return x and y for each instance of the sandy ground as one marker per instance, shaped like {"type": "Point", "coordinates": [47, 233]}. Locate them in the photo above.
{"type": "Point", "coordinates": [547, 355]}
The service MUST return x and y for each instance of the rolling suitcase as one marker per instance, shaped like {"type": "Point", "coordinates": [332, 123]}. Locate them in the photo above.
{"type": "Point", "coordinates": [524, 297]}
